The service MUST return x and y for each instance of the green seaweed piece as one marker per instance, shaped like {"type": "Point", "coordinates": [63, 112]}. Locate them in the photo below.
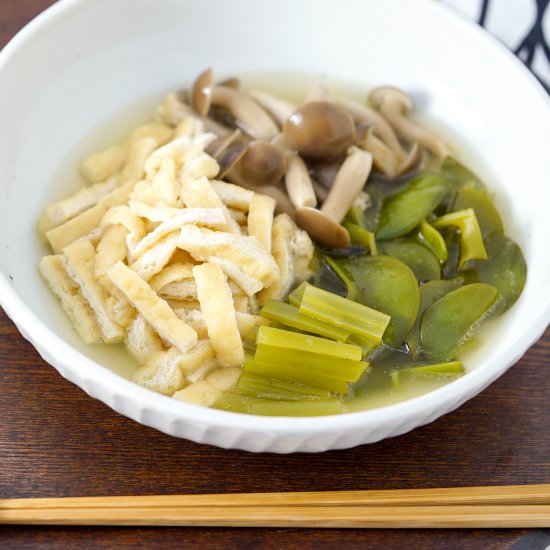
{"type": "Point", "coordinates": [487, 215]}
{"type": "Point", "coordinates": [506, 269]}
{"type": "Point", "coordinates": [450, 321]}
{"type": "Point", "coordinates": [429, 294]}
{"type": "Point", "coordinates": [401, 213]}
{"type": "Point", "coordinates": [418, 257]}
{"type": "Point", "coordinates": [471, 240]}
{"type": "Point", "coordinates": [362, 237]}
{"type": "Point", "coordinates": [433, 239]}
{"type": "Point", "coordinates": [460, 175]}
{"type": "Point", "coordinates": [451, 369]}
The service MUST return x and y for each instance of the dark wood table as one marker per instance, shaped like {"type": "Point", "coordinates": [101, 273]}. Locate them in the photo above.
{"type": "Point", "coordinates": [57, 441]}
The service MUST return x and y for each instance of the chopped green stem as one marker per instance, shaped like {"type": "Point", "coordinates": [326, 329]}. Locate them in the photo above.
{"type": "Point", "coordinates": [361, 236]}
{"type": "Point", "coordinates": [356, 215]}
{"type": "Point", "coordinates": [289, 315]}
{"type": "Point", "coordinates": [234, 403]}
{"type": "Point", "coordinates": [471, 241]}
{"type": "Point", "coordinates": [276, 337]}
{"type": "Point", "coordinates": [343, 313]}
{"type": "Point", "coordinates": [256, 385]}
{"type": "Point", "coordinates": [296, 375]}
{"type": "Point", "coordinates": [341, 369]}
{"type": "Point", "coordinates": [295, 297]}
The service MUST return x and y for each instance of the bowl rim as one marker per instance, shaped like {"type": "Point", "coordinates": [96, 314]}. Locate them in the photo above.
{"type": "Point", "coordinates": [43, 338]}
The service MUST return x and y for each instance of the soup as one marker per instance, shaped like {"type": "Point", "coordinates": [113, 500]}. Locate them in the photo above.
{"type": "Point", "coordinates": [268, 257]}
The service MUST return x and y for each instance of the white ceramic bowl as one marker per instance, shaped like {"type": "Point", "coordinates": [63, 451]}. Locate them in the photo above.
{"type": "Point", "coordinates": [83, 62]}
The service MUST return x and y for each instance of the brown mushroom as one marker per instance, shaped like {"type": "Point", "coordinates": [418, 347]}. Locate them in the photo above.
{"type": "Point", "coordinates": [363, 115]}
{"type": "Point", "coordinates": [319, 130]}
{"type": "Point", "coordinates": [324, 225]}
{"type": "Point", "coordinates": [299, 186]}
{"type": "Point", "coordinates": [222, 143]}
{"type": "Point", "coordinates": [376, 135]}
{"type": "Point", "coordinates": [349, 182]}
{"type": "Point", "coordinates": [279, 109]}
{"type": "Point", "coordinates": [252, 118]}
{"type": "Point", "coordinates": [201, 94]}
{"type": "Point", "coordinates": [257, 164]}
{"type": "Point", "coordinates": [394, 105]}
{"type": "Point", "coordinates": [231, 82]}
{"type": "Point", "coordinates": [322, 228]}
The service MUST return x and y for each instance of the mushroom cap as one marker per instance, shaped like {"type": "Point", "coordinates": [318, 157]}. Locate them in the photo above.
{"type": "Point", "coordinates": [389, 94]}
{"type": "Point", "coordinates": [201, 94]}
{"type": "Point", "coordinates": [259, 163]}
{"type": "Point", "coordinates": [319, 129]}
{"type": "Point", "coordinates": [322, 228]}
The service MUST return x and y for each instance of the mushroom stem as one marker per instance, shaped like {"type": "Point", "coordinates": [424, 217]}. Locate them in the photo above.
{"type": "Point", "coordinates": [283, 203]}
{"type": "Point", "coordinates": [299, 186]}
{"type": "Point", "coordinates": [253, 118]}
{"type": "Point", "coordinates": [317, 92]}
{"type": "Point", "coordinates": [279, 109]}
{"type": "Point", "coordinates": [349, 182]}
{"type": "Point", "coordinates": [220, 145]}
{"type": "Point", "coordinates": [362, 114]}
{"type": "Point", "coordinates": [384, 159]}
{"type": "Point", "coordinates": [394, 104]}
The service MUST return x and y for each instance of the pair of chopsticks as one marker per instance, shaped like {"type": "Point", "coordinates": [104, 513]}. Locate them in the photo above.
{"type": "Point", "coordinates": [459, 507]}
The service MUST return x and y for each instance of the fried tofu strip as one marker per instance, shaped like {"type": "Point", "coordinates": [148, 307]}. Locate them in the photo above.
{"type": "Point", "coordinates": [111, 249]}
{"type": "Point", "coordinates": [65, 209]}
{"type": "Point", "coordinates": [140, 150]}
{"type": "Point", "coordinates": [142, 340]}
{"type": "Point", "coordinates": [260, 219]}
{"type": "Point", "coordinates": [153, 260]}
{"type": "Point", "coordinates": [79, 261]}
{"type": "Point", "coordinates": [154, 310]}
{"type": "Point", "coordinates": [199, 193]}
{"type": "Point", "coordinates": [244, 251]}
{"type": "Point", "coordinates": [161, 372]}
{"type": "Point", "coordinates": [104, 164]}
{"type": "Point", "coordinates": [249, 285]}
{"type": "Point", "coordinates": [72, 301]}
{"type": "Point", "coordinates": [219, 314]}
{"type": "Point", "coordinates": [171, 274]}
{"type": "Point", "coordinates": [292, 249]}
{"type": "Point", "coordinates": [206, 392]}
{"type": "Point", "coordinates": [200, 216]}
{"type": "Point", "coordinates": [84, 223]}
{"type": "Point", "coordinates": [233, 196]}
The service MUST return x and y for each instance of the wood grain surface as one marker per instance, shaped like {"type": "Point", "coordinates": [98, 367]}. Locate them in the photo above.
{"type": "Point", "coordinates": [57, 441]}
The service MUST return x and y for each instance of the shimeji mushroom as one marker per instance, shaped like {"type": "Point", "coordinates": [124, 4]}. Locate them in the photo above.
{"type": "Point", "coordinates": [248, 114]}
{"type": "Point", "coordinates": [319, 130]}
{"type": "Point", "coordinates": [201, 93]}
{"type": "Point", "coordinates": [394, 105]}
{"type": "Point", "coordinates": [222, 143]}
{"type": "Point", "coordinates": [279, 109]}
{"type": "Point", "coordinates": [388, 154]}
{"type": "Point", "coordinates": [255, 164]}
{"type": "Point", "coordinates": [299, 186]}
{"type": "Point", "coordinates": [323, 225]}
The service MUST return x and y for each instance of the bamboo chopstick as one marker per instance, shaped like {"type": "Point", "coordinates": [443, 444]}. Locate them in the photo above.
{"type": "Point", "coordinates": [459, 507]}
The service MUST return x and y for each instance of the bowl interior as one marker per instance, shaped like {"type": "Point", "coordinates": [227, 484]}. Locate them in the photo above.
{"type": "Point", "coordinates": [85, 63]}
